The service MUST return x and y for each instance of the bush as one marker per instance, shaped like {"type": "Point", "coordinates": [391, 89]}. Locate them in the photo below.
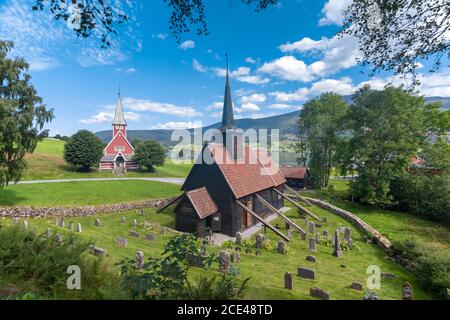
{"type": "Point", "coordinates": [431, 267]}
{"type": "Point", "coordinates": [39, 265]}
{"type": "Point", "coordinates": [83, 150]}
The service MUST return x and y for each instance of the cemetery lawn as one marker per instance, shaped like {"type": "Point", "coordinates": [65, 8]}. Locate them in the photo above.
{"type": "Point", "coordinates": [85, 193]}
{"type": "Point", "coordinates": [47, 162]}
{"type": "Point", "coordinates": [266, 271]}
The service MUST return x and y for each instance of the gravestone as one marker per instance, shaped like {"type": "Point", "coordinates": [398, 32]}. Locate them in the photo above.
{"type": "Point", "coordinates": [61, 223]}
{"type": "Point", "coordinates": [311, 258]}
{"type": "Point", "coordinates": [319, 293]}
{"type": "Point", "coordinates": [318, 237]}
{"type": "Point", "coordinates": [311, 227]}
{"type": "Point", "coordinates": [318, 226]}
{"type": "Point", "coordinates": [350, 243]}
{"type": "Point", "coordinates": [407, 291]}
{"type": "Point", "coordinates": [59, 239]}
{"type": "Point", "coordinates": [305, 273]}
{"type": "Point", "coordinates": [224, 262]}
{"type": "Point", "coordinates": [325, 233]}
{"type": "Point", "coordinates": [324, 220]}
{"type": "Point", "coordinates": [150, 237]}
{"type": "Point", "coordinates": [122, 242]}
{"type": "Point", "coordinates": [79, 229]}
{"type": "Point", "coordinates": [356, 286]}
{"type": "Point", "coordinates": [98, 223]}
{"type": "Point", "coordinates": [56, 222]}
{"type": "Point", "coordinates": [139, 260]}
{"type": "Point", "coordinates": [260, 241]}
{"type": "Point", "coordinates": [347, 234]}
{"type": "Point", "coordinates": [281, 249]}
{"type": "Point", "coordinates": [235, 257]}
{"type": "Point", "coordinates": [96, 251]}
{"type": "Point", "coordinates": [123, 220]}
{"type": "Point", "coordinates": [25, 224]}
{"type": "Point", "coordinates": [49, 233]}
{"type": "Point", "coordinates": [287, 225]}
{"type": "Point", "coordinates": [289, 233]}
{"type": "Point", "coordinates": [135, 223]}
{"type": "Point", "coordinates": [312, 245]}
{"type": "Point", "coordinates": [134, 234]}
{"type": "Point", "coordinates": [238, 238]}
{"type": "Point", "coordinates": [387, 275]}
{"type": "Point", "coordinates": [71, 226]}
{"type": "Point", "coordinates": [337, 252]}
{"type": "Point", "coordinates": [142, 212]}
{"type": "Point", "coordinates": [288, 281]}
{"type": "Point", "coordinates": [248, 250]}
{"type": "Point", "coordinates": [302, 235]}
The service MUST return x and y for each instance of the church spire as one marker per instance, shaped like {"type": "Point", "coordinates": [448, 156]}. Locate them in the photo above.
{"type": "Point", "coordinates": [227, 115]}
{"type": "Point", "coordinates": [119, 118]}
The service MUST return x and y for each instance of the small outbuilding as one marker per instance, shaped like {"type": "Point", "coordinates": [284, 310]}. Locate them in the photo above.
{"type": "Point", "coordinates": [296, 177]}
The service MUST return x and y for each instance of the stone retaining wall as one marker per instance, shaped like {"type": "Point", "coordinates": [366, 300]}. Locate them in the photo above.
{"type": "Point", "coordinates": [381, 240]}
{"type": "Point", "coordinates": [41, 212]}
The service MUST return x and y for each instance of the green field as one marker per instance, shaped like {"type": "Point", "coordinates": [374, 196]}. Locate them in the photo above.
{"type": "Point", "coordinates": [85, 193]}
{"type": "Point", "coordinates": [47, 163]}
{"type": "Point", "coordinates": [266, 271]}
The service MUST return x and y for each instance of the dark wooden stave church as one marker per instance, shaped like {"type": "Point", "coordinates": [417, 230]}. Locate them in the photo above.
{"type": "Point", "coordinates": [234, 192]}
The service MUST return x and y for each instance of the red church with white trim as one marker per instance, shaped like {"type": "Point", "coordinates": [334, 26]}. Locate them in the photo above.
{"type": "Point", "coordinates": [118, 154]}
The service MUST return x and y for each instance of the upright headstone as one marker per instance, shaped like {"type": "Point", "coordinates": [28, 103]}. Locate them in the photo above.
{"type": "Point", "coordinates": [122, 242]}
{"type": "Point", "coordinates": [288, 281]}
{"type": "Point", "coordinates": [259, 241]}
{"type": "Point", "coordinates": [337, 252]}
{"type": "Point", "coordinates": [224, 262]}
{"type": "Point", "coordinates": [25, 224]}
{"type": "Point", "coordinates": [142, 212]}
{"type": "Point", "coordinates": [287, 225]}
{"type": "Point", "coordinates": [289, 233]}
{"type": "Point", "coordinates": [347, 234]}
{"type": "Point", "coordinates": [312, 227]}
{"type": "Point", "coordinates": [325, 233]}
{"type": "Point", "coordinates": [238, 238]}
{"type": "Point", "coordinates": [123, 220]}
{"type": "Point", "coordinates": [306, 273]}
{"type": "Point", "coordinates": [350, 243]}
{"type": "Point", "coordinates": [49, 233]}
{"type": "Point", "coordinates": [302, 235]}
{"type": "Point", "coordinates": [281, 249]}
{"type": "Point", "coordinates": [139, 260]}
{"type": "Point", "coordinates": [135, 223]}
{"type": "Point", "coordinates": [61, 223]}
{"type": "Point", "coordinates": [312, 245]}
{"type": "Point", "coordinates": [407, 291]}
{"type": "Point", "coordinates": [318, 237]}
{"type": "Point", "coordinates": [56, 222]}
{"type": "Point", "coordinates": [59, 239]}
{"type": "Point", "coordinates": [79, 229]}
{"type": "Point", "coordinates": [319, 293]}
{"type": "Point", "coordinates": [71, 226]}
{"type": "Point", "coordinates": [98, 223]}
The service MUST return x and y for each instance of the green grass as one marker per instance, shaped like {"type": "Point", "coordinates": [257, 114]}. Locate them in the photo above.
{"type": "Point", "coordinates": [47, 163]}
{"type": "Point", "coordinates": [85, 193]}
{"type": "Point", "coordinates": [266, 271]}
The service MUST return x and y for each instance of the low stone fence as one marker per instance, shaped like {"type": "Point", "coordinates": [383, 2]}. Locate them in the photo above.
{"type": "Point", "coordinates": [381, 240]}
{"type": "Point", "coordinates": [41, 212]}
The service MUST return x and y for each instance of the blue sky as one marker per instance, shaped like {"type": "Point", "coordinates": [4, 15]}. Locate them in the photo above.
{"type": "Point", "coordinates": [279, 59]}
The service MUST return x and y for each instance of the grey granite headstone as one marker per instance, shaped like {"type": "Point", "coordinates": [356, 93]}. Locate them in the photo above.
{"type": "Point", "coordinates": [139, 260]}
{"type": "Point", "coordinates": [142, 212]}
{"type": "Point", "coordinates": [134, 234]}
{"type": "Point", "coordinates": [224, 262]}
{"type": "Point", "coordinates": [260, 239]}
{"type": "Point", "coordinates": [135, 223]}
{"type": "Point", "coordinates": [61, 223]}
{"type": "Point", "coordinates": [238, 238]}
{"type": "Point", "coordinates": [311, 227]}
{"type": "Point", "coordinates": [319, 293]}
{"type": "Point", "coordinates": [123, 220]}
{"type": "Point", "coordinates": [311, 258]}
{"type": "Point", "coordinates": [347, 234]}
{"type": "Point", "coordinates": [337, 252]}
{"type": "Point", "coordinates": [49, 233]}
{"type": "Point", "coordinates": [98, 223]}
{"type": "Point", "coordinates": [281, 249]}
{"type": "Point", "coordinates": [96, 251]}
{"type": "Point", "coordinates": [318, 237]}
{"type": "Point", "coordinates": [122, 242]}
{"type": "Point", "coordinates": [71, 226]}
{"type": "Point", "coordinates": [288, 281]}
{"type": "Point", "coordinates": [25, 224]}
{"type": "Point", "coordinates": [357, 286]}
{"type": "Point", "coordinates": [59, 239]}
{"type": "Point", "coordinates": [289, 233]}
{"type": "Point", "coordinates": [407, 292]}
{"type": "Point", "coordinates": [79, 229]}
{"type": "Point", "coordinates": [302, 235]}
{"type": "Point", "coordinates": [56, 222]}
{"type": "Point", "coordinates": [325, 233]}
{"type": "Point", "coordinates": [305, 273]}
{"type": "Point", "coordinates": [312, 245]}
{"type": "Point", "coordinates": [387, 275]}
{"type": "Point", "coordinates": [150, 237]}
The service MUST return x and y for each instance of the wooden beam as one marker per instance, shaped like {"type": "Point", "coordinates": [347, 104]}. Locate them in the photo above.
{"type": "Point", "coordinates": [268, 205]}
{"type": "Point", "coordinates": [170, 203]}
{"type": "Point", "coordinates": [297, 194]}
{"type": "Point", "coordinates": [297, 205]}
{"type": "Point", "coordinates": [262, 220]}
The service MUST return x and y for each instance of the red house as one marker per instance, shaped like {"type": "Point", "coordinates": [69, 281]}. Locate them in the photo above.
{"type": "Point", "coordinates": [118, 154]}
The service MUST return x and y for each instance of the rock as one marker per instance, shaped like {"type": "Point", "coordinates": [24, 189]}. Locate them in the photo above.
{"type": "Point", "coordinates": [324, 220]}
{"type": "Point", "coordinates": [311, 258]}
{"type": "Point", "coordinates": [319, 293]}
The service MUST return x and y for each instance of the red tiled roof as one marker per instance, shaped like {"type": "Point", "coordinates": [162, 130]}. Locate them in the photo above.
{"type": "Point", "coordinates": [203, 204]}
{"type": "Point", "coordinates": [294, 172]}
{"type": "Point", "coordinates": [253, 173]}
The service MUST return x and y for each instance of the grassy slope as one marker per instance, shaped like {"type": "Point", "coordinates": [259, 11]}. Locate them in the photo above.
{"type": "Point", "coordinates": [85, 193]}
{"type": "Point", "coordinates": [47, 163]}
{"type": "Point", "coordinates": [267, 270]}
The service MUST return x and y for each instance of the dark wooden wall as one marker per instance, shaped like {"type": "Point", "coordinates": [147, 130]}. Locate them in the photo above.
{"type": "Point", "coordinates": [186, 219]}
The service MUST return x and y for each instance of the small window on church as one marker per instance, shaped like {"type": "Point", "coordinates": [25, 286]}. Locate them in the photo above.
{"type": "Point", "coordinates": [119, 149]}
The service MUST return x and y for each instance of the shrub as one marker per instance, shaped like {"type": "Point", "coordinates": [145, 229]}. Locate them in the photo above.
{"type": "Point", "coordinates": [83, 150]}
{"type": "Point", "coordinates": [149, 154]}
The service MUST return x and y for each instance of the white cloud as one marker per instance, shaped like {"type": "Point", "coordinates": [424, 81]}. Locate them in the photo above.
{"type": "Point", "coordinates": [198, 66]}
{"type": "Point", "coordinates": [333, 12]}
{"type": "Point", "coordinates": [159, 107]}
{"type": "Point", "coordinates": [250, 60]}
{"type": "Point", "coordinates": [188, 44]}
{"type": "Point", "coordinates": [288, 68]}
{"type": "Point", "coordinates": [215, 106]}
{"type": "Point", "coordinates": [283, 106]}
{"type": "Point", "coordinates": [173, 125]}
{"type": "Point", "coordinates": [160, 36]}
{"type": "Point", "coordinates": [250, 107]}
{"type": "Point", "coordinates": [254, 98]}
{"type": "Point", "coordinates": [241, 74]}
{"type": "Point", "coordinates": [106, 117]}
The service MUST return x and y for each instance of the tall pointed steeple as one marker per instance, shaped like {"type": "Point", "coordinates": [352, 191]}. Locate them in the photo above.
{"type": "Point", "coordinates": [227, 115]}
{"type": "Point", "coordinates": [119, 118]}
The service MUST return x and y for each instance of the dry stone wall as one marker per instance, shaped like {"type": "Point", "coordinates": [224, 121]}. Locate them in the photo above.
{"type": "Point", "coordinates": [381, 240]}
{"type": "Point", "coordinates": [80, 211]}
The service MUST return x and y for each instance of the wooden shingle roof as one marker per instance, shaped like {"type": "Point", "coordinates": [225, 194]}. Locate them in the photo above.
{"type": "Point", "coordinates": [256, 171]}
{"type": "Point", "coordinates": [202, 202]}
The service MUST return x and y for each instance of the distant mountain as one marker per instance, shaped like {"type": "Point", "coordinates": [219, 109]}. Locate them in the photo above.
{"type": "Point", "coordinates": [287, 123]}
